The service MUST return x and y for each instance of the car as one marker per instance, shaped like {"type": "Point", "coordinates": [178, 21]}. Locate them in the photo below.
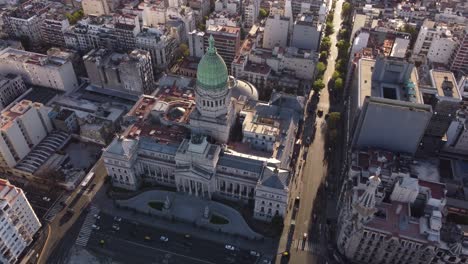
{"type": "Point", "coordinates": [147, 238]}
{"type": "Point", "coordinates": [254, 253]}
{"type": "Point", "coordinates": [308, 140]}
{"type": "Point", "coordinates": [116, 227]}
{"type": "Point", "coordinates": [117, 219]}
{"type": "Point", "coordinates": [96, 227]}
{"type": "Point", "coordinates": [164, 239]}
{"type": "Point", "coordinates": [229, 247]}
{"type": "Point", "coordinates": [187, 236]}
{"type": "Point", "coordinates": [45, 198]}
{"type": "Point", "coordinates": [97, 216]}
{"type": "Point", "coordinates": [304, 236]}
{"type": "Point", "coordinates": [320, 113]}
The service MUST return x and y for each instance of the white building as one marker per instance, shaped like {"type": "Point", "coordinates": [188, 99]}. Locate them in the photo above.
{"type": "Point", "coordinates": [196, 40]}
{"type": "Point", "coordinates": [435, 42]}
{"type": "Point", "coordinates": [174, 150]}
{"type": "Point", "coordinates": [39, 69]}
{"type": "Point", "coordinates": [19, 222]}
{"type": "Point", "coordinates": [251, 10]}
{"type": "Point", "coordinates": [11, 87]}
{"type": "Point", "coordinates": [306, 33]}
{"type": "Point", "coordinates": [23, 126]}
{"type": "Point", "coordinates": [276, 32]}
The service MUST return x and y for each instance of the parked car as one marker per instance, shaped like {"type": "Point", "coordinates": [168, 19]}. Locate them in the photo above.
{"type": "Point", "coordinates": [117, 219]}
{"type": "Point", "coordinates": [229, 247]}
{"type": "Point", "coordinates": [164, 238]}
{"type": "Point", "coordinates": [96, 227]}
{"type": "Point", "coordinates": [45, 198]}
{"type": "Point", "coordinates": [116, 227]}
{"type": "Point", "coordinates": [97, 216]}
{"type": "Point", "coordinates": [254, 253]}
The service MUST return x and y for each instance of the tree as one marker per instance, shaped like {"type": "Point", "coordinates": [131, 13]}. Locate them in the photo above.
{"type": "Point", "coordinates": [343, 34]}
{"type": "Point", "coordinates": [338, 85]}
{"type": "Point", "coordinates": [343, 47]}
{"type": "Point", "coordinates": [323, 56]}
{"type": "Point", "coordinates": [318, 85]}
{"type": "Point", "coordinates": [346, 10]}
{"type": "Point", "coordinates": [75, 16]}
{"type": "Point", "coordinates": [325, 44]}
{"type": "Point", "coordinates": [412, 31]}
{"type": "Point", "coordinates": [184, 49]}
{"type": "Point", "coordinates": [336, 74]}
{"type": "Point", "coordinates": [330, 18]}
{"type": "Point", "coordinates": [333, 119]}
{"type": "Point", "coordinates": [262, 13]}
{"type": "Point", "coordinates": [321, 67]}
{"type": "Point", "coordinates": [329, 29]}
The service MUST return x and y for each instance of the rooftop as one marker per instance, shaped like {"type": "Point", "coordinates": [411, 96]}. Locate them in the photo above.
{"type": "Point", "coordinates": [18, 109]}
{"type": "Point", "coordinates": [445, 83]}
{"type": "Point", "coordinates": [10, 54]}
{"type": "Point", "coordinates": [408, 91]}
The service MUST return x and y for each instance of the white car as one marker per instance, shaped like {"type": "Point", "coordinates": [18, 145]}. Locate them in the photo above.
{"type": "Point", "coordinates": [45, 198]}
{"type": "Point", "coordinates": [229, 247]}
{"type": "Point", "coordinates": [116, 227]}
{"type": "Point", "coordinates": [254, 253]}
{"type": "Point", "coordinates": [96, 227]}
{"type": "Point", "coordinates": [97, 216]}
{"type": "Point", "coordinates": [164, 239]}
{"type": "Point", "coordinates": [117, 219]}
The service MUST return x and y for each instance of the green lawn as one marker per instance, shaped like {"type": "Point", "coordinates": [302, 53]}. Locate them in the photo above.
{"type": "Point", "coordinates": [156, 205]}
{"type": "Point", "coordinates": [218, 220]}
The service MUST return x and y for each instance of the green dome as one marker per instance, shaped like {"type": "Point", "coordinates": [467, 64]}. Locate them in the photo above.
{"type": "Point", "coordinates": [212, 72]}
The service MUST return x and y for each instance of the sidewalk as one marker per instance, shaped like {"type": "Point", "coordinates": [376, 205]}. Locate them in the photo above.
{"type": "Point", "coordinates": [266, 245]}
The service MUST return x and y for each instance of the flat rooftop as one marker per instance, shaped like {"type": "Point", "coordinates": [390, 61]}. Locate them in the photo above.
{"type": "Point", "coordinates": [445, 83]}
{"type": "Point", "coordinates": [382, 90]}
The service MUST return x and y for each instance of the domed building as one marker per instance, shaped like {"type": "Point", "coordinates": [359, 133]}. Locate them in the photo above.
{"type": "Point", "coordinates": [215, 111]}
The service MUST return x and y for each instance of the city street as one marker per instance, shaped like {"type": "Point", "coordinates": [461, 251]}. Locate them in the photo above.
{"type": "Point", "coordinates": [77, 202]}
{"type": "Point", "coordinates": [136, 243]}
{"type": "Point", "coordinates": [311, 216]}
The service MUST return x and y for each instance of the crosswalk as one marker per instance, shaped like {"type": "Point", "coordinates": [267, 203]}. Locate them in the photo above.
{"type": "Point", "coordinates": [302, 245]}
{"type": "Point", "coordinates": [87, 227]}
{"type": "Point", "coordinates": [58, 206]}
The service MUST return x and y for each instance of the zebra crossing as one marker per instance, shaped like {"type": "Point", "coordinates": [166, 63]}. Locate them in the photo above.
{"type": "Point", "coordinates": [315, 248]}
{"type": "Point", "coordinates": [55, 209]}
{"type": "Point", "coordinates": [86, 228]}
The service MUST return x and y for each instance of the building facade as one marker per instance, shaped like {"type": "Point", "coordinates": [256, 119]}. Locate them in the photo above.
{"type": "Point", "coordinates": [19, 222]}
{"type": "Point", "coordinates": [11, 87]}
{"type": "Point", "coordinates": [276, 32]}
{"type": "Point", "coordinates": [39, 69]}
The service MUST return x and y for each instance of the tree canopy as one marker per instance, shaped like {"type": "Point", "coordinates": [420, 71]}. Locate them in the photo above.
{"type": "Point", "coordinates": [262, 13]}
{"type": "Point", "coordinates": [318, 85]}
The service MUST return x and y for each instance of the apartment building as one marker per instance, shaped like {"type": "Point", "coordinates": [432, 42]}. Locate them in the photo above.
{"type": "Point", "coordinates": [276, 32]}
{"type": "Point", "coordinates": [435, 42]}
{"type": "Point", "coordinates": [459, 60]}
{"type": "Point", "coordinates": [18, 221]}
{"type": "Point", "coordinates": [227, 41]}
{"type": "Point", "coordinates": [39, 69]}
{"type": "Point", "coordinates": [130, 73]}
{"type": "Point", "coordinates": [161, 46]}
{"type": "Point", "coordinates": [307, 32]}
{"type": "Point", "coordinates": [11, 87]}
{"type": "Point", "coordinates": [22, 127]}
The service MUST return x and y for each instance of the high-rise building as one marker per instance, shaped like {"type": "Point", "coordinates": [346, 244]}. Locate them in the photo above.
{"type": "Point", "coordinates": [307, 32]}
{"type": "Point", "coordinates": [387, 107]}
{"type": "Point", "coordinates": [196, 43]}
{"type": "Point", "coordinates": [39, 69]}
{"type": "Point", "coordinates": [160, 45]}
{"type": "Point", "coordinates": [22, 127]}
{"type": "Point", "coordinates": [435, 42]}
{"type": "Point", "coordinates": [227, 41]}
{"type": "Point", "coordinates": [276, 32]}
{"type": "Point", "coordinates": [11, 87]}
{"type": "Point", "coordinates": [130, 73]}
{"type": "Point", "coordinates": [54, 27]}
{"type": "Point", "coordinates": [126, 28]}
{"type": "Point", "coordinates": [459, 60]}
{"type": "Point", "coordinates": [251, 11]}
{"type": "Point", "coordinates": [19, 222]}
{"type": "Point", "coordinates": [25, 22]}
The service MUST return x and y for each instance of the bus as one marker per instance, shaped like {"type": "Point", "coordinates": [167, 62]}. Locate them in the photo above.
{"type": "Point", "coordinates": [87, 179]}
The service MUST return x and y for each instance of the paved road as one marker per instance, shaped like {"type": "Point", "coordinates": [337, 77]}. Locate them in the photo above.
{"type": "Point", "coordinates": [128, 245]}
{"type": "Point", "coordinates": [311, 216]}
{"type": "Point", "coordinates": [61, 223]}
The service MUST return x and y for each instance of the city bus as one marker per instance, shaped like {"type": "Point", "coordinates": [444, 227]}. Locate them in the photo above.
{"type": "Point", "coordinates": [87, 179]}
